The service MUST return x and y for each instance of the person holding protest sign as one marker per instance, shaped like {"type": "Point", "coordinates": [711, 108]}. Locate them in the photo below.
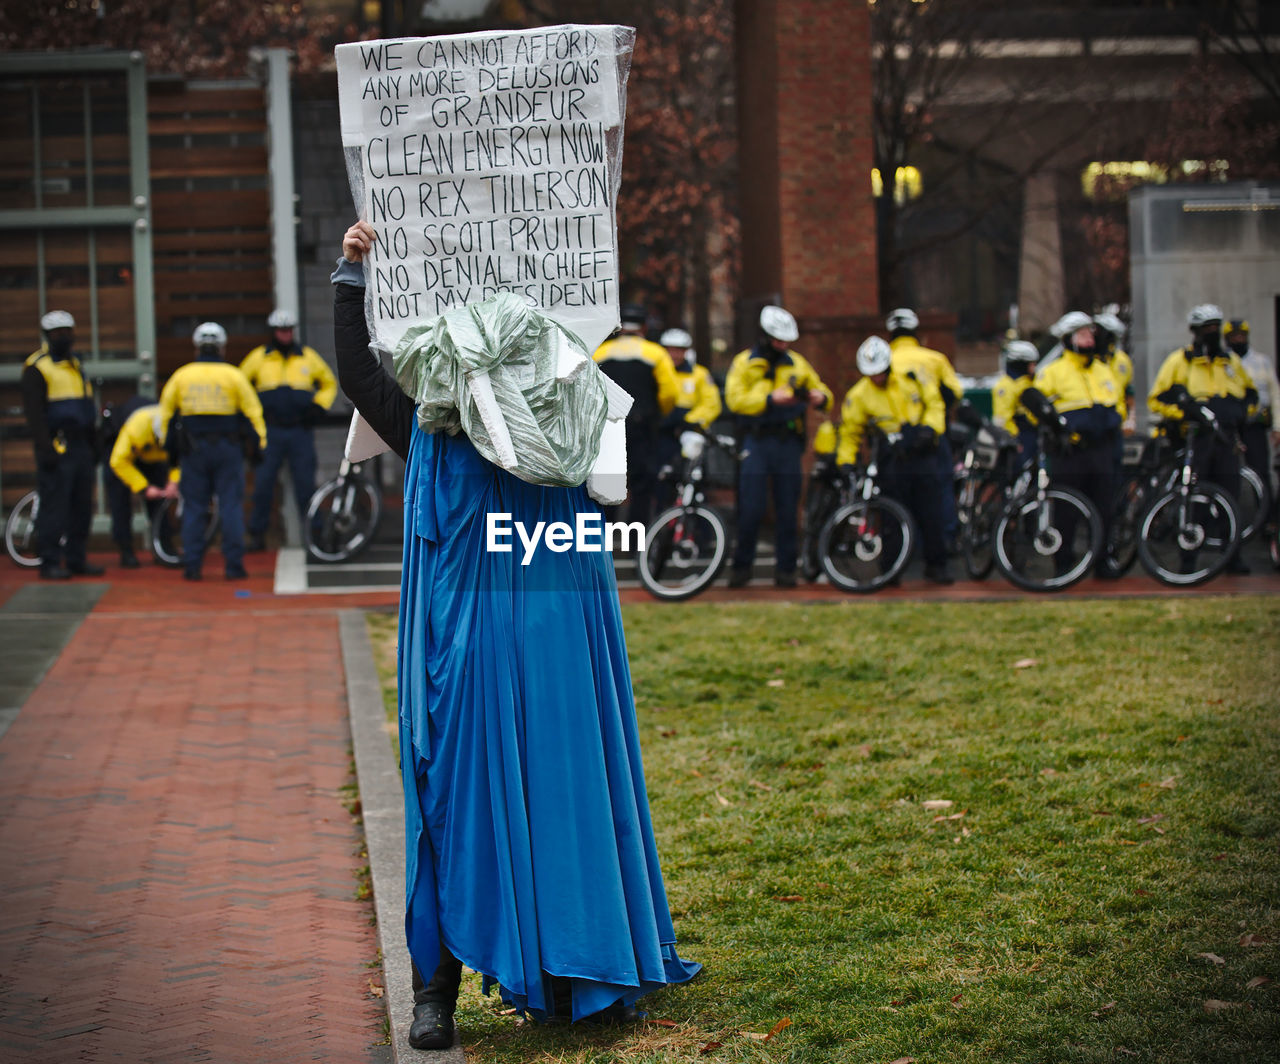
{"type": "Point", "coordinates": [531, 856]}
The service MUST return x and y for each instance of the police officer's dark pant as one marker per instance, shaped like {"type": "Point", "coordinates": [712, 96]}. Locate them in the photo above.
{"type": "Point", "coordinates": [66, 505]}
{"type": "Point", "coordinates": [1219, 463]}
{"type": "Point", "coordinates": [770, 460]}
{"type": "Point", "coordinates": [946, 464]}
{"type": "Point", "coordinates": [295, 444]}
{"type": "Point", "coordinates": [444, 983]}
{"type": "Point", "coordinates": [213, 465]}
{"type": "Point", "coordinates": [120, 500]}
{"type": "Point", "coordinates": [1090, 468]}
{"type": "Point", "coordinates": [913, 480]}
{"type": "Point", "coordinates": [642, 471]}
{"type": "Point", "coordinates": [1257, 450]}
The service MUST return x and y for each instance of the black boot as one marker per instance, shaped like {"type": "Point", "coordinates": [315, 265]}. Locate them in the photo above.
{"type": "Point", "coordinates": [432, 1026]}
{"type": "Point", "coordinates": [129, 560]}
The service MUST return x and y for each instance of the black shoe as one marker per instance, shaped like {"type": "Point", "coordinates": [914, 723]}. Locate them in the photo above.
{"type": "Point", "coordinates": [236, 572]}
{"type": "Point", "coordinates": [739, 577]}
{"type": "Point", "coordinates": [432, 1026]}
{"type": "Point", "coordinates": [616, 1015]}
{"type": "Point", "coordinates": [54, 572]}
{"type": "Point", "coordinates": [938, 574]}
{"type": "Point", "coordinates": [255, 542]}
{"type": "Point", "coordinates": [86, 569]}
{"type": "Point", "coordinates": [190, 574]}
{"type": "Point", "coordinates": [784, 579]}
{"type": "Point", "coordinates": [129, 560]}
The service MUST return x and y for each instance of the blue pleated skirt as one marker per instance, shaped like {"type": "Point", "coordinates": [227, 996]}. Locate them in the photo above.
{"type": "Point", "coordinates": [530, 850]}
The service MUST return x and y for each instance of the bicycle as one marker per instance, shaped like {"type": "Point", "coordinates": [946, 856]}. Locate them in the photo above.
{"type": "Point", "coordinates": [20, 531]}
{"type": "Point", "coordinates": [343, 515]}
{"type": "Point", "coordinates": [166, 530]}
{"type": "Point", "coordinates": [1145, 462]}
{"type": "Point", "coordinates": [822, 498]}
{"type": "Point", "coordinates": [988, 469]}
{"type": "Point", "coordinates": [1191, 530]}
{"type": "Point", "coordinates": [868, 541]}
{"type": "Point", "coordinates": [686, 546]}
{"type": "Point", "coordinates": [1048, 536]}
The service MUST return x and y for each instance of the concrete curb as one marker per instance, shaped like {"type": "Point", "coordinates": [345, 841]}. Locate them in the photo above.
{"type": "Point", "coordinates": [382, 800]}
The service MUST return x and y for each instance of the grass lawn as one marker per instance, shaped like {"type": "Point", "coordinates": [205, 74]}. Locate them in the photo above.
{"type": "Point", "coordinates": [1043, 831]}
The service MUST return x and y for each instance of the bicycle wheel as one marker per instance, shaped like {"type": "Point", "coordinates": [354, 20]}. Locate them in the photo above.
{"type": "Point", "coordinates": [1122, 546]}
{"type": "Point", "coordinates": [684, 551]}
{"type": "Point", "coordinates": [1184, 540]}
{"type": "Point", "coordinates": [1051, 547]}
{"type": "Point", "coordinates": [20, 531]}
{"type": "Point", "coordinates": [342, 519]}
{"type": "Point", "coordinates": [867, 544]}
{"type": "Point", "coordinates": [978, 529]}
{"type": "Point", "coordinates": [1252, 504]}
{"type": "Point", "coordinates": [166, 531]}
{"type": "Point", "coordinates": [818, 504]}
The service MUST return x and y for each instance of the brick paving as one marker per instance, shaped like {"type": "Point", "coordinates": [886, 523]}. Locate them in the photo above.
{"type": "Point", "coordinates": [178, 870]}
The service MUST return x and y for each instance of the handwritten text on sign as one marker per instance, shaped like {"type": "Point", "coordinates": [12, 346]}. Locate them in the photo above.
{"type": "Point", "coordinates": [487, 168]}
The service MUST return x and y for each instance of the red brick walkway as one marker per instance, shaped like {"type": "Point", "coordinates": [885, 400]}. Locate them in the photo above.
{"type": "Point", "coordinates": [177, 870]}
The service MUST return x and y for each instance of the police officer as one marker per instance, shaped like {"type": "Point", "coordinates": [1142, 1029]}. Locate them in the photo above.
{"type": "Point", "coordinates": [1084, 390]}
{"type": "Point", "coordinates": [1108, 332]}
{"type": "Point", "coordinates": [138, 466]}
{"type": "Point", "coordinates": [62, 416]}
{"type": "Point", "coordinates": [697, 396]}
{"type": "Point", "coordinates": [899, 402]}
{"type": "Point", "coordinates": [926, 363]}
{"type": "Point", "coordinates": [697, 404]}
{"type": "Point", "coordinates": [1210, 373]}
{"type": "Point", "coordinates": [644, 371]}
{"type": "Point", "coordinates": [296, 386]}
{"type": "Point", "coordinates": [1020, 358]}
{"type": "Point", "coordinates": [1261, 422]}
{"type": "Point", "coordinates": [771, 388]}
{"type": "Point", "coordinates": [211, 398]}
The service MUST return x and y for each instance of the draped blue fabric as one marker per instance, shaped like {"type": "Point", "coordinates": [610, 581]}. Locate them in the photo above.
{"type": "Point", "coordinates": [530, 847]}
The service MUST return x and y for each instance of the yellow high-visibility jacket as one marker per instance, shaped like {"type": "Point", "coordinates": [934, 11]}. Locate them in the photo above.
{"type": "Point", "coordinates": [289, 383]}
{"type": "Point", "coordinates": [1122, 366]}
{"type": "Point", "coordinates": [644, 371]}
{"type": "Point", "coordinates": [698, 395]}
{"type": "Point", "coordinates": [1205, 378]}
{"type": "Point", "coordinates": [1087, 395]}
{"type": "Point", "coordinates": [209, 390]}
{"type": "Point", "coordinates": [1006, 401]}
{"type": "Point", "coordinates": [139, 441]}
{"type": "Point", "coordinates": [753, 377]}
{"type": "Point", "coordinates": [69, 402]}
{"type": "Point", "coordinates": [904, 400]}
{"type": "Point", "coordinates": [926, 364]}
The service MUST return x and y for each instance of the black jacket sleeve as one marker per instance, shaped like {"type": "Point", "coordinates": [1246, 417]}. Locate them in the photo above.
{"type": "Point", "coordinates": [389, 412]}
{"type": "Point", "coordinates": [35, 395]}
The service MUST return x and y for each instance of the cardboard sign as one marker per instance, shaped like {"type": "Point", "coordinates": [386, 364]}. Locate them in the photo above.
{"type": "Point", "coordinates": [488, 162]}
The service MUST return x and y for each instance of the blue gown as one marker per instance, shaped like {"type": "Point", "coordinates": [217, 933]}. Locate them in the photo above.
{"type": "Point", "coordinates": [530, 851]}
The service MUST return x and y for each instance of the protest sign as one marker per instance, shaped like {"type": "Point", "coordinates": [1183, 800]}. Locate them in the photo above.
{"type": "Point", "coordinates": [486, 163]}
